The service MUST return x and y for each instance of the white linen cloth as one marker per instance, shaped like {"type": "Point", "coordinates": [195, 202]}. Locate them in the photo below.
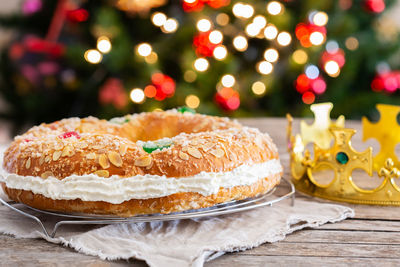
{"type": "Point", "coordinates": [181, 242]}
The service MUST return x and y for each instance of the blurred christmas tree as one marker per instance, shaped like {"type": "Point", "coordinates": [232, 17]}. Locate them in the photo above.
{"type": "Point", "coordinates": [107, 58]}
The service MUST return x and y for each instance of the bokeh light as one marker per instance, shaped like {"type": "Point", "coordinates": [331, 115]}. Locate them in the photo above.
{"type": "Point", "coordinates": [103, 44]}
{"type": "Point", "coordinates": [215, 37]}
{"type": "Point", "coordinates": [192, 101]}
{"type": "Point", "coordinates": [203, 25]}
{"type": "Point", "coordinates": [170, 25]}
{"type": "Point", "coordinates": [264, 67]}
{"type": "Point", "coordinates": [270, 32]}
{"type": "Point", "coordinates": [271, 55]}
{"type": "Point", "coordinates": [220, 52]}
{"type": "Point", "coordinates": [332, 68]}
{"type": "Point", "coordinates": [137, 96]}
{"type": "Point", "coordinates": [240, 43]}
{"type": "Point", "coordinates": [274, 8]}
{"type": "Point", "coordinates": [201, 64]}
{"type": "Point", "coordinates": [158, 19]}
{"type": "Point", "coordinates": [228, 80]}
{"type": "Point", "coordinates": [144, 49]}
{"type": "Point", "coordinates": [351, 43]}
{"type": "Point", "coordinates": [258, 88]}
{"type": "Point", "coordinates": [93, 56]}
{"type": "Point", "coordinates": [320, 18]}
{"type": "Point", "coordinates": [284, 38]}
{"type": "Point", "coordinates": [300, 56]}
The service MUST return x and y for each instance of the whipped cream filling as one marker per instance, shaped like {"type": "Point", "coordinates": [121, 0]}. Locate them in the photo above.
{"type": "Point", "coordinates": [116, 189]}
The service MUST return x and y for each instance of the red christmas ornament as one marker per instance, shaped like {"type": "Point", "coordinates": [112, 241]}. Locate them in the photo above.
{"type": "Point", "coordinates": [388, 82]}
{"type": "Point", "coordinates": [217, 3]}
{"type": "Point", "coordinates": [163, 86]}
{"type": "Point", "coordinates": [338, 57]}
{"type": "Point", "coordinates": [203, 45]}
{"type": "Point", "coordinates": [374, 6]}
{"type": "Point", "coordinates": [228, 99]}
{"type": "Point", "coordinates": [77, 15]}
{"type": "Point", "coordinates": [112, 92]}
{"type": "Point", "coordinates": [42, 46]}
{"type": "Point", "coordinates": [197, 5]}
{"type": "Point", "coordinates": [304, 84]}
{"type": "Point", "coordinates": [191, 6]}
{"type": "Point", "coordinates": [304, 30]}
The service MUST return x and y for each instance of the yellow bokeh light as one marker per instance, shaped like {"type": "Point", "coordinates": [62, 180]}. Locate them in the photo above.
{"type": "Point", "coordinates": [104, 44]}
{"type": "Point", "coordinates": [203, 25]}
{"type": "Point", "coordinates": [258, 88]}
{"type": "Point", "coordinates": [320, 18]}
{"type": "Point", "coordinates": [252, 30]}
{"type": "Point", "coordinates": [222, 19]}
{"type": "Point", "coordinates": [264, 67]}
{"type": "Point", "coordinates": [300, 57]}
{"type": "Point", "coordinates": [228, 80]}
{"type": "Point", "coordinates": [201, 64]}
{"type": "Point", "coordinates": [260, 21]}
{"type": "Point", "coordinates": [144, 49]}
{"type": "Point", "coordinates": [170, 25]}
{"type": "Point", "coordinates": [241, 10]}
{"type": "Point", "coordinates": [270, 32]}
{"type": "Point", "coordinates": [189, 1]}
{"type": "Point", "coordinates": [192, 101]}
{"type": "Point", "coordinates": [220, 52]}
{"type": "Point", "coordinates": [93, 56]}
{"type": "Point", "coordinates": [274, 8]}
{"type": "Point", "coordinates": [351, 43]}
{"type": "Point", "coordinates": [271, 55]}
{"type": "Point", "coordinates": [137, 95]}
{"type": "Point", "coordinates": [240, 43]}
{"type": "Point", "coordinates": [332, 68]}
{"type": "Point", "coordinates": [317, 38]}
{"type": "Point", "coordinates": [284, 38]}
{"type": "Point", "coordinates": [152, 58]}
{"type": "Point", "coordinates": [159, 19]}
{"type": "Point", "coordinates": [215, 37]}
{"type": "Point", "coordinates": [189, 76]}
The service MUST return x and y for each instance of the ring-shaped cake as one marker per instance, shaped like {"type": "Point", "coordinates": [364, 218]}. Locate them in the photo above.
{"type": "Point", "coordinates": [155, 162]}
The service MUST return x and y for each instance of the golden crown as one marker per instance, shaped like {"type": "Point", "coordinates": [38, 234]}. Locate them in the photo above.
{"type": "Point", "coordinates": [343, 159]}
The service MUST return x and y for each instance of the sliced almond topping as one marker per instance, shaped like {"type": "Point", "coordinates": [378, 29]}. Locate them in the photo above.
{"type": "Point", "coordinates": [184, 149]}
{"type": "Point", "coordinates": [194, 142]}
{"type": "Point", "coordinates": [46, 174]}
{"type": "Point", "coordinates": [56, 155]}
{"type": "Point", "coordinates": [207, 146]}
{"type": "Point", "coordinates": [102, 173]}
{"type": "Point", "coordinates": [183, 155]}
{"type": "Point", "coordinates": [81, 144]}
{"type": "Point", "coordinates": [195, 152]}
{"type": "Point", "coordinates": [41, 160]}
{"type": "Point", "coordinates": [67, 151]}
{"type": "Point", "coordinates": [143, 161]}
{"type": "Point", "coordinates": [97, 147]}
{"type": "Point", "coordinates": [47, 159]}
{"type": "Point", "coordinates": [115, 158]}
{"type": "Point", "coordinates": [28, 163]}
{"type": "Point", "coordinates": [218, 152]}
{"type": "Point", "coordinates": [122, 149]}
{"type": "Point", "coordinates": [91, 155]}
{"type": "Point", "coordinates": [59, 146]}
{"type": "Point", "coordinates": [103, 161]}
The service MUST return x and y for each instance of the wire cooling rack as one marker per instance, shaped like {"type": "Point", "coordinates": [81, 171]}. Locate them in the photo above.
{"type": "Point", "coordinates": [267, 199]}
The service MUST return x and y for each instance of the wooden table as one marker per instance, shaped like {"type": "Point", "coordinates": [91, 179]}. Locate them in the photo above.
{"type": "Point", "coordinates": [372, 237]}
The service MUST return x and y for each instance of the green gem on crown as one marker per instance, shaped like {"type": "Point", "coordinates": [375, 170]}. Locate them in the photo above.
{"type": "Point", "coordinates": [342, 158]}
{"type": "Point", "coordinates": [185, 109]}
{"type": "Point", "coordinates": [150, 146]}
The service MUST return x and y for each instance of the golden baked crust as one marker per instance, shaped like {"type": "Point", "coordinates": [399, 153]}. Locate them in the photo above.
{"type": "Point", "coordinates": [198, 143]}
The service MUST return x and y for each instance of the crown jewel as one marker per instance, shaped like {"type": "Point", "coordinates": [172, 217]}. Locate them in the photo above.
{"type": "Point", "coordinates": [343, 159]}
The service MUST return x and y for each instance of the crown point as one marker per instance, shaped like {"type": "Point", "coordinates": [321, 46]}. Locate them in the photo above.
{"type": "Point", "coordinates": [342, 158]}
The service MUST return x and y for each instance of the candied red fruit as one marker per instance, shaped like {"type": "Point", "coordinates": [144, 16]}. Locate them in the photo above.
{"type": "Point", "coordinates": [69, 134]}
